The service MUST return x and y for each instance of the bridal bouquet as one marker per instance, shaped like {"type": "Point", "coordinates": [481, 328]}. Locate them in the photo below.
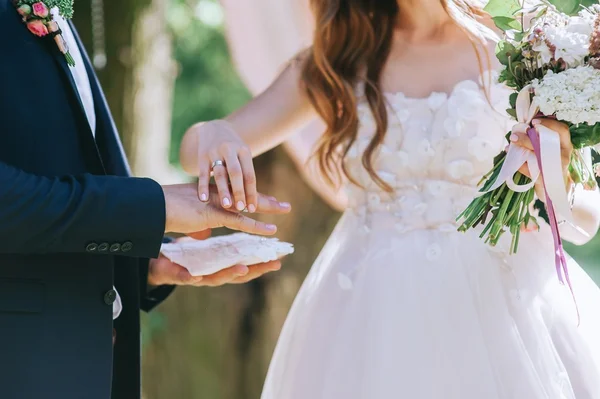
{"type": "Point", "coordinates": [553, 64]}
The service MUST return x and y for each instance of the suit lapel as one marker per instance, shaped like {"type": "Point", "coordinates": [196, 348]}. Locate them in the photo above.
{"type": "Point", "coordinates": [107, 137]}
{"type": "Point", "coordinates": [66, 71]}
{"type": "Point", "coordinates": [87, 134]}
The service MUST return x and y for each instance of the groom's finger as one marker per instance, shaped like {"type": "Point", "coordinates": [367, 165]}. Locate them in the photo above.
{"type": "Point", "coordinates": [224, 276]}
{"type": "Point", "coordinates": [272, 206]}
{"type": "Point", "coordinates": [164, 272]}
{"type": "Point", "coordinates": [257, 271]}
{"type": "Point", "coordinates": [200, 235]}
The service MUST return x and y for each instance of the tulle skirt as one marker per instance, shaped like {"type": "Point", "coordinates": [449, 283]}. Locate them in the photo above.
{"type": "Point", "coordinates": [437, 314]}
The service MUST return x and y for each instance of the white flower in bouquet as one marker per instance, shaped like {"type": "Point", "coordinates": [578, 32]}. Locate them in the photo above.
{"type": "Point", "coordinates": [543, 51]}
{"type": "Point", "coordinates": [566, 38]}
{"type": "Point", "coordinates": [590, 14]}
{"type": "Point", "coordinates": [573, 43]}
{"type": "Point", "coordinates": [572, 95]}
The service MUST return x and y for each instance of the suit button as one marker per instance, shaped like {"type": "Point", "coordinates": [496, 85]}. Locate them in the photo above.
{"type": "Point", "coordinates": [127, 246]}
{"type": "Point", "coordinates": [103, 247]}
{"type": "Point", "coordinates": [110, 297]}
{"type": "Point", "coordinates": [91, 247]}
{"type": "Point", "coordinates": [115, 248]}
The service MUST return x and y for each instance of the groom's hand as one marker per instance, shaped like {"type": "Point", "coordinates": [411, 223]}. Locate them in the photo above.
{"type": "Point", "coordinates": [164, 272]}
{"type": "Point", "coordinates": [187, 214]}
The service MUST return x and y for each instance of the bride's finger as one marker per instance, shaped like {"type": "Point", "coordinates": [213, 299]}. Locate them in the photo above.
{"type": "Point", "coordinates": [236, 179]}
{"type": "Point", "coordinates": [524, 170]}
{"type": "Point", "coordinates": [221, 181]}
{"type": "Point", "coordinates": [203, 178]}
{"type": "Point", "coordinates": [266, 204]}
{"type": "Point", "coordinates": [521, 140]}
{"type": "Point", "coordinates": [245, 158]}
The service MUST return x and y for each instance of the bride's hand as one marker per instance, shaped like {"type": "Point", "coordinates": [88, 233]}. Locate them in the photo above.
{"type": "Point", "coordinates": [222, 151]}
{"type": "Point", "coordinates": [521, 139]}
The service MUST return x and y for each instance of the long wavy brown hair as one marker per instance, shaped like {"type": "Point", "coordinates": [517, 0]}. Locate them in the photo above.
{"type": "Point", "coordinates": [352, 43]}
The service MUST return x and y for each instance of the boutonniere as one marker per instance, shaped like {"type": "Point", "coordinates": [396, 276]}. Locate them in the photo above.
{"type": "Point", "coordinates": [40, 22]}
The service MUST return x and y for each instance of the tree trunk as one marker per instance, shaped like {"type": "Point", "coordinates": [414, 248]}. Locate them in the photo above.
{"type": "Point", "coordinates": [138, 78]}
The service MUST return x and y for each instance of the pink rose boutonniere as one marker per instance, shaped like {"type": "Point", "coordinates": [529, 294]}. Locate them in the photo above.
{"type": "Point", "coordinates": [38, 28]}
{"type": "Point", "coordinates": [40, 10]}
{"type": "Point", "coordinates": [39, 20]}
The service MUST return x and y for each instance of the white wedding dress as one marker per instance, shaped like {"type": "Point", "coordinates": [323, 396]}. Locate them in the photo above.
{"type": "Point", "coordinates": [401, 305]}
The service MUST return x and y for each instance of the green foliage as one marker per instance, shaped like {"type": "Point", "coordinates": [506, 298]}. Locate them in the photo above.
{"type": "Point", "coordinates": [505, 52]}
{"type": "Point", "coordinates": [502, 8]}
{"type": "Point", "coordinates": [504, 12]}
{"type": "Point", "coordinates": [584, 135]}
{"type": "Point", "coordinates": [569, 7]}
{"type": "Point", "coordinates": [208, 86]}
{"type": "Point", "coordinates": [507, 23]}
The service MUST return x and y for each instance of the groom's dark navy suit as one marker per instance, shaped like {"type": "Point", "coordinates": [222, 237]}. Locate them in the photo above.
{"type": "Point", "coordinates": [72, 224]}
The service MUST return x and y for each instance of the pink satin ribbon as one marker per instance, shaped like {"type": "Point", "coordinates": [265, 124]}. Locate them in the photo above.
{"type": "Point", "coordinates": [559, 253]}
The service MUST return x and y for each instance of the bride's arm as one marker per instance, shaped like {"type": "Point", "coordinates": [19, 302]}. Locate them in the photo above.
{"type": "Point", "coordinates": [265, 122]}
{"type": "Point", "coordinates": [262, 124]}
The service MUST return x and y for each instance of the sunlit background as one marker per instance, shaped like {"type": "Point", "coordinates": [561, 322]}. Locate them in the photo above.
{"type": "Point", "coordinates": [168, 66]}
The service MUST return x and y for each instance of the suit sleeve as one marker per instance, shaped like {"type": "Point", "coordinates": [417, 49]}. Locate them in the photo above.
{"type": "Point", "coordinates": [80, 214]}
{"type": "Point", "coordinates": [151, 297]}
{"type": "Point", "coordinates": [155, 296]}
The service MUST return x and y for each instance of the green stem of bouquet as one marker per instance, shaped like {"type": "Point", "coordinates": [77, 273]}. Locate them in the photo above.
{"type": "Point", "coordinates": [509, 210]}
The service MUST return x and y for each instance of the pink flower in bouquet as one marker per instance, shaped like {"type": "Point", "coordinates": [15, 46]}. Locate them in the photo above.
{"type": "Point", "coordinates": [597, 169]}
{"type": "Point", "coordinates": [40, 10]}
{"type": "Point", "coordinates": [595, 41]}
{"type": "Point", "coordinates": [24, 10]}
{"type": "Point", "coordinates": [37, 27]}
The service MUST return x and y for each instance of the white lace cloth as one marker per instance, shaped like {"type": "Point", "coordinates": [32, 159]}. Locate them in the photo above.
{"type": "Point", "coordinates": [204, 257]}
{"type": "Point", "coordinates": [401, 305]}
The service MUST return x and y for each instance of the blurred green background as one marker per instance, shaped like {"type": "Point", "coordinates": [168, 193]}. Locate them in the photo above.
{"type": "Point", "coordinates": [169, 67]}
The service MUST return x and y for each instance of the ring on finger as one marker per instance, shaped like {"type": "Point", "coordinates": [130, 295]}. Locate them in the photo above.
{"type": "Point", "coordinates": [216, 163]}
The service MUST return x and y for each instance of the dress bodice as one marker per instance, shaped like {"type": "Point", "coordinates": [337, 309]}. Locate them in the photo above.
{"type": "Point", "coordinates": [435, 152]}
